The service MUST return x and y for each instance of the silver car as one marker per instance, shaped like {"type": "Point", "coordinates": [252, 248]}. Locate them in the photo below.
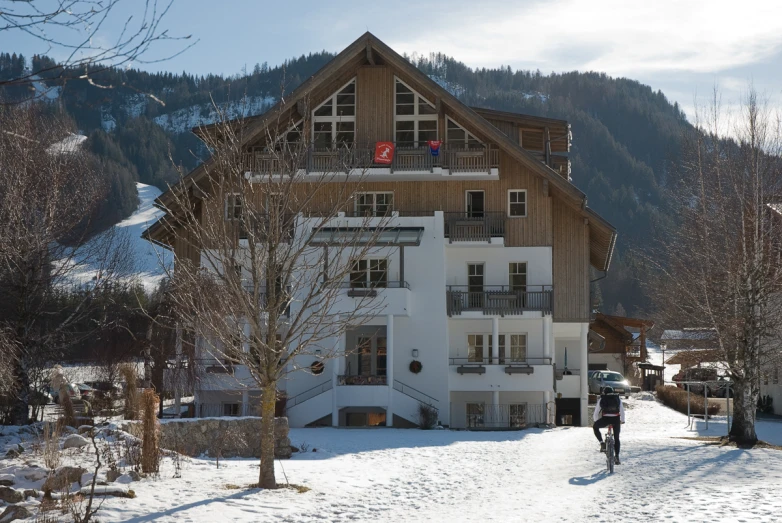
{"type": "Point", "coordinates": [600, 379]}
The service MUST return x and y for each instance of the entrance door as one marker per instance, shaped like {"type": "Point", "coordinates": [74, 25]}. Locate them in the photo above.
{"type": "Point", "coordinates": [367, 357]}
{"type": "Point", "coordinates": [475, 285]}
{"type": "Point", "coordinates": [474, 204]}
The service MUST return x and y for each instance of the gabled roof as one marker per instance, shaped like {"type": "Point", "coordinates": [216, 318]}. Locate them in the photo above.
{"type": "Point", "coordinates": [368, 48]}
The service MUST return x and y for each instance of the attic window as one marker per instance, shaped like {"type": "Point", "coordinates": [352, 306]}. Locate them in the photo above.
{"type": "Point", "coordinates": [532, 139]}
{"type": "Point", "coordinates": [415, 117]}
{"type": "Point", "coordinates": [334, 121]}
{"type": "Point", "coordinates": [458, 136]}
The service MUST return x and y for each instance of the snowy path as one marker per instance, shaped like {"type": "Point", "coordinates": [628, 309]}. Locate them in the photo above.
{"type": "Point", "coordinates": [534, 475]}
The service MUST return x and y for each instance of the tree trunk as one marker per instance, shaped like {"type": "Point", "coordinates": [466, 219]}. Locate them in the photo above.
{"type": "Point", "coordinates": [20, 415]}
{"type": "Point", "coordinates": [268, 399]}
{"type": "Point", "coordinates": [745, 402]}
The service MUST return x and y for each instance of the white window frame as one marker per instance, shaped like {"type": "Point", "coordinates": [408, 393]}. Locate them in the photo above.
{"type": "Point", "coordinates": [526, 203]}
{"type": "Point", "coordinates": [467, 134]}
{"type": "Point", "coordinates": [335, 118]}
{"type": "Point", "coordinates": [236, 197]}
{"type": "Point", "coordinates": [467, 413]}
{"type": "Point", "coordinates": [367, 281]}
{"type": "Point", "coordinates": [484, 347]}
{"type": "Point", "coordinates": [511, 416]}
{"type": "Point", "coordinates": [509, 345]}
{"type": "Point", "coordinates": [415, 117]}
{"type": "Point", "coordinates": [374, 201]}
{"type": "Point", "coordinates": [526, 274]}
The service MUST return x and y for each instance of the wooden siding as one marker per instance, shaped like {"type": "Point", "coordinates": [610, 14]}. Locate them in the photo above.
{"type": "Point", "coordinates": [570, 255]}
{"type": "Point", "coordinates": [374, 104]}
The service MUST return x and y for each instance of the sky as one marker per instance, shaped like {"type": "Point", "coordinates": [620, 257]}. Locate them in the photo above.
{"type": "Point", "coordinates": [682, 47]}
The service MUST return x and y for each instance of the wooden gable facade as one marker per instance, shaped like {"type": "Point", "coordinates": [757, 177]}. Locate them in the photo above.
{"type": "Point", "coordinates": [620, 340]}
{"type": "Point", "coordinates": [522, 148]}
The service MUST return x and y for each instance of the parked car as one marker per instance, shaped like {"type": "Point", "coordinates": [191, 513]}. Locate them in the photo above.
{"type": "Point", "coordinates": [697, 374]}
{"type": "Point", "coordinates": [85, 391]}
{"type": "Point", "coordinates": [73, 392]}
{"type": "Point", "coordinates": [600, 379]}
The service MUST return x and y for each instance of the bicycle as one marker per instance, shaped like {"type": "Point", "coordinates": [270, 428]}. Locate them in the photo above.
{"type": "Point", "coordinates": [610, 457]}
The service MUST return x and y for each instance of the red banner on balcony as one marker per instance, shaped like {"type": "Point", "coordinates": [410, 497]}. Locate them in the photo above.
{"type": "Point", "coordinates": [434, 147]}
{"type": "Point", "coordinates": [384, 152]}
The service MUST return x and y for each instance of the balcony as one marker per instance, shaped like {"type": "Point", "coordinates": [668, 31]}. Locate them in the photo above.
{"type": "Point", "coordinates": [483, 374]}
{"type": "Point", "coordinates": [262, 228]}
{"type": "Point", "coordinates": [498, 417]}
{"type": "Point", "coordinates": [474, 226]}
{"type": "Point", "coordinates": [499, 300]}
{"type": "Point", "coordinates": [390, 297]}
{"type": "Point", "coordinates": [360, 157]}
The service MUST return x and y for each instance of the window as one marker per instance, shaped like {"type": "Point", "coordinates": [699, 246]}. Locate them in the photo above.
{"type": "Point", "coordinates": [374, 203]}
{"type": "Point", "coordinates": [517, 414]}
{"type": "Point", "coordinates": [475, 414]}
{"type": "Point", "coordinates": [233, 206]}
{"type": "Point", "coordinates": [518, 348]}
{"type": "Point", "coordinates": [458, 136]}
{"type": "Point", "coordinates": [475, 348]}
{"type": "Point", "coordinates": [230, 409]}
{"type": "Point", "coordinates": [517, 203]}
{"type": "Point", "coordinates": [334, 121]}
{"type": "Point", "coordinates": [517, 276]}
{"type": "Point", "coordinates": [369, 273]}
{"type": "Point", "coordinates": [415, 117]}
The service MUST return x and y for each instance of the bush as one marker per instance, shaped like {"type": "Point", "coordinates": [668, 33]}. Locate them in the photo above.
{"type": "Point", "coordinates": [427, 416]}
{"type": "Point", "coordinates": [676, 398]}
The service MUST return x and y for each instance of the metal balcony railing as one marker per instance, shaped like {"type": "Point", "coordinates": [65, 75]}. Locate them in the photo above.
{"type": "Point", "coordinates": [308, 394]}
{"type": "Point", "coordinates": [519, 416]}
{"type": "Point", "coordinates": [499, 299]}
{"type": "Point", "coordinates": [474, 226]}
{"type": "Point", "coordinates": [348, 157]}
{"type": "Point", "coordinates": [261, 227]}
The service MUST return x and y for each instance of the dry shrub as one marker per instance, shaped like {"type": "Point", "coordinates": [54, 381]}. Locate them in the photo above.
{"type": "Point", "coordinates": [51, 445]}
{"type": "Point", "coordinates": [130, 375]}
{"type": "Point", "coordinates": [68, 413]}
{"type": "Point", "coordinates": [676, 398]}
{"type": "Point", "coordinates": [150, 444]}
{"type": "Point", "coordinates": [427, 416]}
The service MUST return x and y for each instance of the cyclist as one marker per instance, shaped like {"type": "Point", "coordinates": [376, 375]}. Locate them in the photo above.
{"type": "Point", "coordinates": [609, 411]}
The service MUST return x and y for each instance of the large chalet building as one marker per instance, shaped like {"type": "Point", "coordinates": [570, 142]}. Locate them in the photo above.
{"type": "Point", "coordinates": [490, 280]}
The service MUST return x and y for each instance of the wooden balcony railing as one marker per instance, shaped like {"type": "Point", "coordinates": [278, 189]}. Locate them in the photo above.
{"type": "Point", "coordinates": [499, 299]}
{"type": "Point", "coordinates": [361, 156]}
{"type": "Point", "coordinates": [474, 226]}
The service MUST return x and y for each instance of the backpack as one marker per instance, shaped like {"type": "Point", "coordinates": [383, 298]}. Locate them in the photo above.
{"type": "Point", "coordinates": [609, 403]}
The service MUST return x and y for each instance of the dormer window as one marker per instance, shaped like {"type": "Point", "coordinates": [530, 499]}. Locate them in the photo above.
{"type": "Point", "coordinates": [458, 136]}
{"type": "Point", "coordinates": [415, 117]}
{"type": "Point", "coordinates": [334, 121]}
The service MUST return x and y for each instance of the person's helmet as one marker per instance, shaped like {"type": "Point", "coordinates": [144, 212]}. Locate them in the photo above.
{"type": "Point", "coordinates": [608, 390]}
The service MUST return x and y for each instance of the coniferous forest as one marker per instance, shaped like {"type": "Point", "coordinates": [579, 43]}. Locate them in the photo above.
{"type": "Point", "coordinates": [626, 136]}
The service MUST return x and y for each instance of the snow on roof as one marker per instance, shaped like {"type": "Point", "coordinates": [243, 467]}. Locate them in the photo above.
{"type": "Point", "coordinates": [689, 333]}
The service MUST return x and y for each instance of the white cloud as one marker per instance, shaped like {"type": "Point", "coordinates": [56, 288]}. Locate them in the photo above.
{"type": "Point", "coordinates": [616, 36]}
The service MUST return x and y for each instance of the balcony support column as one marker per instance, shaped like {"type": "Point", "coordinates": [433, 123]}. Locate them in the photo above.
{"type": "Point", "coordinates": [390, 368]}
{"type": "Point", "coordinates": [548, 324]}
{"type": "Point", "coordinates": [495, 340]}
{"type": "Point", "coordinates": [335, 371]}
{"type": "Point", "coordinates": [583, 354]}
{"type": "Point", "coordinates": [245, 402]}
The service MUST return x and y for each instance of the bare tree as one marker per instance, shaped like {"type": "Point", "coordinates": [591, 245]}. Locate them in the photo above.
{"type": "Point", "coordinates": [78, 28]}
{"type": "Point", "coordinates": [275, 258]}
{"type": "Point", "coordinates": [720, 267]}
{"type": "Point", "coordinates": [52, 274]}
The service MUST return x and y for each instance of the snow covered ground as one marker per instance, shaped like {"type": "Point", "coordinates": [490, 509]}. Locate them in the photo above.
{"type": "Point", "coordinates": [534, 475]}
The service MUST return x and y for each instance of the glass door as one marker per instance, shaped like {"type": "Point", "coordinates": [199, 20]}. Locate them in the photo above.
{"type": "Point", "coordinates": [475, 204]}
{"type": "Point", "coordinates": [475, 282]}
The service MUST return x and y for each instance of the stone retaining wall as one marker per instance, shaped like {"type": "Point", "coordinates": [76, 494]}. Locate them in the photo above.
{"type": "Point", "coordinates": [231, 437]}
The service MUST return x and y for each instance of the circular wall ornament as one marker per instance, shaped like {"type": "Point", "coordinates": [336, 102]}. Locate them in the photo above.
{"type": "Point", "coordinates": [317, 367]}
{"type": "Point", "coordinates": [415, 366]}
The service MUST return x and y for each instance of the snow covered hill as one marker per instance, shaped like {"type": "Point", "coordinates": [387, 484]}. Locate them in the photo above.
{"type": "Point", "coordinates": [149, 258]}
{"type": "Point", "coordinates": [184, 120]}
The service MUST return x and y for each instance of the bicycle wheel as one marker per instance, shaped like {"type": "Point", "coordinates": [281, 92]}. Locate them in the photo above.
{"type": "Point", "coordinates": [610, 455]}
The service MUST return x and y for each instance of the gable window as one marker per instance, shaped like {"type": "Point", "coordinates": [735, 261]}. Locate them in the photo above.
{"type": "Point", "coordinates": [369, 273]}
{"type": "Point", "coordinates": [517, 203]}
{"type": "Point", "coordinates": [374, 203]}
{"type": "Point", "coordinates": [458, 136]}
{"type": "Point", "coordinates": [415, 117]}
{"type": "Point", "coordinates": [233, 206]}
{"type": "Point", "coordinates": [334, 121]}
{"type": "Point", "coordinates": [517, 276]}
